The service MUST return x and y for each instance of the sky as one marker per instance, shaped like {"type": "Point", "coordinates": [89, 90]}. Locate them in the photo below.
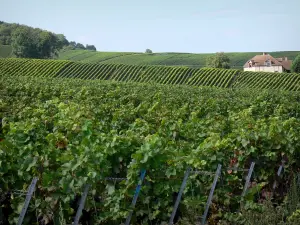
{"type": "Point", "coordinates": [195, 26]}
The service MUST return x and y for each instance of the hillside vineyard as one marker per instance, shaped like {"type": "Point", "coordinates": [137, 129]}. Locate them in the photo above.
{"type": "Point", "coordinates": [73, 132]}
{"type": "Point", "coordinates": [171, 75]}
{"type": "Point", "coordinates": [237, 60]}
{"type": "Point", "coordinates": [91, 137]}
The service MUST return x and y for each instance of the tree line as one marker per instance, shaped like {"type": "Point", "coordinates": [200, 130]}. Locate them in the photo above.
{"type": "Point", "coordinates": [29, 42]}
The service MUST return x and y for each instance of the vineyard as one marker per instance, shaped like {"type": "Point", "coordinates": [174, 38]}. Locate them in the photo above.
{"type": "Point", "coordinates": [118, 72]}
{"type": "Point", "coordinates": [90, 56]}
{"type": "Point", "coordinates": [164, 59]}
{"type": "Point", "coordinates": [73, 132]}
{"type": "Point", "coordinates": [172, 75]}
{"type": "Point", "coordinates": [169, 59]}
{"type": "Point", "coordinates": [282, 81]}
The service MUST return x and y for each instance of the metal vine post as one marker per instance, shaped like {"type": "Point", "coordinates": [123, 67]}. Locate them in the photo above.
{"type": "Point", "coordinates": [183, 184]}
{"type": "Point", "coordinates": [27, 200]}
{"type": "Point", "coordinates": [218, 172]}
{"type": "Point", "coordinates": [81, 204]}
{"type": "Point", "coordinates": [278, 174]}
{"type": "Point", "coordinates": [248, 179]}
{"type": "Point", "coordinates": [136, 195]}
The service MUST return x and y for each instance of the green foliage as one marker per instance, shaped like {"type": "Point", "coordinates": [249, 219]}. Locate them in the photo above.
{"type": "Point", "coordinates": [73, 44]}
{"type": "Point", "coordinates": [294, 219]}
{"type": "Point", "coordinates": [65, 49]}
{"type": "Point", "coordinates": [237, 60]}
{"type": "Point", "coordinates": [79, 46]}
{"type": "Point", "coordinates": [269, 212]}
{"type": "Point", "coordinates": [24, 43]}
{"type": "Point", "coordinates": [61, 41]}
{"type": "Point", "coordinates": [28, 42]}
{"type": "Point", "coordinates": [33, 43]}
{"type": "Point", "coordinates": [148, 51]}
{"type": "Point", "coordinates": [5, 51]}
{"type": "Point", "coordinates": [213, 77]}
{"type": "Point", "coordinates": [296, 65]}
{"type": "Point", "coordinates": [228, 78]}
{"type": "Point", "coordinates": [219, 60]}
{"type": "Point", "coordinates": [5, 34]}
{"type": "Point", "coordinates": [89, 56]}
{"type": "Point", "coordinates": [264, 80]}
{"type": "Point", "coordinates": [90, 47]}
{"type": "Point", "coordinates": [267, 215]}
{"type": "Point", "coordinates": [125, 73]}
{"type": "Point", "coordinates": [47, 45]}
{"type": "Point", "coordinates": [69, 132]}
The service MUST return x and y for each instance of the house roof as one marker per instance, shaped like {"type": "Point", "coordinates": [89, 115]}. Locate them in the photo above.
{"type": "Point", "coordinates": [259, 60]}
{"type": "Point", "coordinates": [287, 64]}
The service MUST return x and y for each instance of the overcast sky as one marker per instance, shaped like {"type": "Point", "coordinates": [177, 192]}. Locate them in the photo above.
{"type": "Point", "coordinates": [196, 26]}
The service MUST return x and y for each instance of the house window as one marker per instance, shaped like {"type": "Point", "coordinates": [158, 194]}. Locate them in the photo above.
{"type": "Point", "coordinates": [268, 63]}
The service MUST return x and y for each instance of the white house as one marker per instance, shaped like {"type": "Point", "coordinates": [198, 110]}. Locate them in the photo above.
{"type": "Point", "coordinates": [267, 63]}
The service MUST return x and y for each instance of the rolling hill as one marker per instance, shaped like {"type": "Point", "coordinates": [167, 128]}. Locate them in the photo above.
{"type": "Point", "coordinates": [156, 74]}
{"type": "Point", "coordinates": [168, 59]}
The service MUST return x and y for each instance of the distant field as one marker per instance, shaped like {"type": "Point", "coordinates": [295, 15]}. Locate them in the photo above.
{"type": "Point", "coordinates": [5, 51]}
{"type": "Point", "coordinates": [157, 74]}
{"type": "Point", "coordinates": [168, 59]}
{"type": "Point", "coordinates": [91, 56]}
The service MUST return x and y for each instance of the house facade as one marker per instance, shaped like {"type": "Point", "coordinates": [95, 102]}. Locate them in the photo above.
{"type": "Point", "coordinates": [267, 63]}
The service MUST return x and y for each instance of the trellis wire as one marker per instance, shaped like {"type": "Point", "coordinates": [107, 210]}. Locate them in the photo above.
{"type": "Point", "coordinates": [27, 200]}
{"type": "Point", "coordinates": [138, 188]}
{"type": "Point", "coordinates": [237, 169]}
{"type": "Point", "coordinates": [202, 172]}
{"type": "Point", "coordinates": [217, 174]}
{"type": "Point", "coordinates": [115, 178]}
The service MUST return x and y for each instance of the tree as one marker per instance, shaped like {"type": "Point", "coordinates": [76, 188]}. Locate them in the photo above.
{"type": "Point", "coordinates": [148, 51]}
{"type": "Point", "coordinates": [296, 65]}
{"type": "Point", "coordinates": [47, 44]}
{"type": "Point", "coordinates": [61, 41]}
{"type": "Point", "coordinates": [33, 43]}
{"type": "Point", "coordinates": [24, 43]}
{"type": "Point", "coordinates": [73, 44]}
{"type": "Point", "coordinates": [79, 46]}
{"type": "Point", "coordinates": [219, 60]}
{"type": "Point", "coordinates": [67, 48]}
{"type": "Point", "coordinates": [91, 47]}
{"type": "Point", "coordinates": [5, 34]}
